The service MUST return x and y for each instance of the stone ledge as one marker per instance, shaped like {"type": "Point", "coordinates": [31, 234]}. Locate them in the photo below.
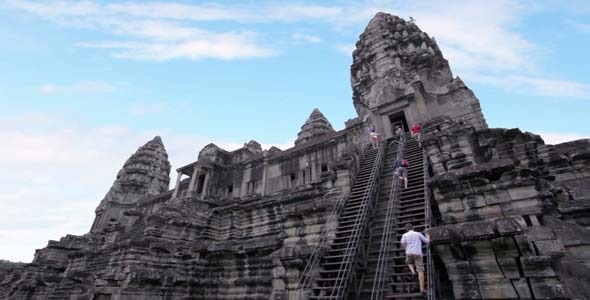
{"type": "Point", "coordinates": [475, 231]}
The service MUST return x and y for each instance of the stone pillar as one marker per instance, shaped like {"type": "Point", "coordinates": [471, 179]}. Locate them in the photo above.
{"type": "Point", "coordinates": [314, 171]}
{"type": "Point", "coordinates": [263, 183]}
{"type": "Point", "coordinates": [386, 129]}
{"type": "Point", "coordinates": [177, 186]}
{"type": "Point", "coordinates": [206, 182]}
{"type": "Point", "coordinates": [191, 185]}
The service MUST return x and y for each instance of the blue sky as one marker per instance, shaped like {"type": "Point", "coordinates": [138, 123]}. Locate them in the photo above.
{"type": "Point", "coordinates": [83, 84]}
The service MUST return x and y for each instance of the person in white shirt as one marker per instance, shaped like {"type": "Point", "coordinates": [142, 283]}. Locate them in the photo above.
{"type": "Point", "coordinates": [412, 241]}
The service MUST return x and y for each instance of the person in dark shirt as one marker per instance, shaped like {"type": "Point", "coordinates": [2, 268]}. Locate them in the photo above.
{"type": "Point", "coordinates": [403, 172]}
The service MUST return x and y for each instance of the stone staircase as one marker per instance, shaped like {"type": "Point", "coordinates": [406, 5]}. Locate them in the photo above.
{"type": "Point", "coordinates": [366, 260]}
{"type": "Point", "coordinates": [378, 221]}
{"type": "Point", "coordinates": [338, 266]}
{"type": "Point", "coordinates": [411, 207]}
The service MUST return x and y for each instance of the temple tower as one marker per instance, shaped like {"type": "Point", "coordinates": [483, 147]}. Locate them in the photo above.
{"type": "Point", "coordinates": [146, 172]}
{"type": "Point", "coordinates": [316, 126]}
{"type": "Point", "coordinates": [399, 76]}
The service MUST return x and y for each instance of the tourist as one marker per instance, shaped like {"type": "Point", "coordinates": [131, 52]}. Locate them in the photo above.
{"type": "Point", "coordinates": [416, 129]}
{"type": "Point", "coordinates": [374, 137]}
{"type": "Point", "coordinates": [412, 241]}
{"type": "Point", "coordinates": [396, 165]}
{"type": "Point", "coordinates": [403, 172]}
{"type": "Point", "coordinates": [398, 132]}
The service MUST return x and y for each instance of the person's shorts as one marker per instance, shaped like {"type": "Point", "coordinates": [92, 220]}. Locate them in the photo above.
{"type": "Point", "coordinates": [416, 260]}
{"type": "Point", "coordinates": [403, 172]}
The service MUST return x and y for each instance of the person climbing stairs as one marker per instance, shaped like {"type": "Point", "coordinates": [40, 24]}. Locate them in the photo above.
{"type": "Point", "coordinates": [365, 260]}
{"type": "Point", "coordinates": [412, 208]}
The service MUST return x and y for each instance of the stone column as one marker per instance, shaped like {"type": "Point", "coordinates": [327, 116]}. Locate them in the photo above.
{"type": "Point", "coordinates": [191, 185]}
{"type": "Point", "coordinates": [177, 186]}
{"type": "Point", "coordinates": [206, 182]}
{"type": "Point", "coordinates": [264, 169]}
{"type": "Point", "coordinates": [313, 166]}
{"type": "Point", "coordinates": [244, 183]}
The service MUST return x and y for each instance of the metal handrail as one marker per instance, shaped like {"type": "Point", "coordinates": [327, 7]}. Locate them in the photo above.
{"type": "Point", "coordinates": [315, 257]}
{"type": "Point", "coordinates": [383, 261]}
{"type": "Point", "coordinates": [428, 221]}
{"type": "Point", "coordinates": [340, 287]}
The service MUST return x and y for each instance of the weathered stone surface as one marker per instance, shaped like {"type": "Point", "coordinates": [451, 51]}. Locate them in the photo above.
{"type": "Point", "coordinates": [553, 248]}
{"type": "Point", "coordinates": [522, 288]}
{"type": "Point", "coordinates": [497, 289]}
{"type": "Point", "coordinates": [145, 173]}
{"type": "Point", "coordinates": [548, 288]}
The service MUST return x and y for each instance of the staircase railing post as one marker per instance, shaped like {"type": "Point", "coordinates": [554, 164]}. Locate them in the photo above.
{"type": "Point", "coordinates": [428, 224]}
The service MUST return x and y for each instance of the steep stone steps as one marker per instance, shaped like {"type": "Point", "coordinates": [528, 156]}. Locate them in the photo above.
{"type": "Point", "coordinates": [337, 264]}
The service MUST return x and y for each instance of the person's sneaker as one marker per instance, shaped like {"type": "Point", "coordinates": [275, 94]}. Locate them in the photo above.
{"type": "Point", "coordinates": [423, 292]}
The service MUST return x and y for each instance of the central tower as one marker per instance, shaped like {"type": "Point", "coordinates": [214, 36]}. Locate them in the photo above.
{"type": "Point", "coordinates": [399, 76]}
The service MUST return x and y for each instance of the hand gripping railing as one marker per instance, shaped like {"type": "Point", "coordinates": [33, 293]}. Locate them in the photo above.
{"type": "Point", "coordinates": [383, 261]}
{"type": "Point", "coordinates": [428, 214]}
{"type": "Point", "coordinates": [340, 287]}
{"type": "Point", "coordinates": [311, 267]}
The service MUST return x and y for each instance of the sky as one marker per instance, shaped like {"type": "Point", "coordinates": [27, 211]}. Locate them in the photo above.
{"type": "Point", "coordinates": [85, 83]}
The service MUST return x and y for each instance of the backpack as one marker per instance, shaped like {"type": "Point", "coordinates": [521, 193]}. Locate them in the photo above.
{"type": "Point", "coordinates": [405, 163]}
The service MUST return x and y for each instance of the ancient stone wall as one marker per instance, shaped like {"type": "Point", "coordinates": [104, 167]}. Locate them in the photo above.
{"type": "Point", "coordinates": [510, 207]}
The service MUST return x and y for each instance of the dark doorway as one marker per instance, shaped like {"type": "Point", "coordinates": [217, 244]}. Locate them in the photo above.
{"type": "Point", "coordinates": [200, 183]}
{"type": "Point", "coordinates": [399, 119]}
{"type": "Point", "coordinates": [230, 190]}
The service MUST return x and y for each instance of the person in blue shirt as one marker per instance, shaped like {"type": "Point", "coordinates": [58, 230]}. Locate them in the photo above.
{"type": "Point", "coordinates": [396, 165]}
{"type": "Point", "coordinates": [402, 172]}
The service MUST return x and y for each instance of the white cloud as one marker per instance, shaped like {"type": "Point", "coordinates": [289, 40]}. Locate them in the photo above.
{"type": "Point", "coordinates": [345, 49]}
{"type": "Point", "coordinates": [141, 109]}
{"type": "Point", "coordinates": [47, 88]}
{"type": "Point", "coordinates": [178, 11]}
{"type": "Point", "coordinates": [79, 87]}
{"type": "Point", "coordinates": [482, 37]}
{"type": "Point", "coordinates": [225, 46]}
{"type": "Point", "coordinates": [308, 38]}
{"type": "Point", "coordinates": [152, 31]}
{"type": "Point", "coordinates": [476, 35]}
{"type": "Point", "coordinates": [157, 30]}
{"type": "Point", "coordinates": [583, 27]}
{"type": "Point", "coordinates": [535, 85]}
{"type": "Point", "coordinates": [554, 138]}
{"type": "Point", "coordinates": [298, 12]}
{"type": "Point", "coordinates": [214, 12]}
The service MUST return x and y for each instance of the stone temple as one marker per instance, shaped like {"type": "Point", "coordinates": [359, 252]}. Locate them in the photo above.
{"type": "Point", "coordinates": [509, 216]}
